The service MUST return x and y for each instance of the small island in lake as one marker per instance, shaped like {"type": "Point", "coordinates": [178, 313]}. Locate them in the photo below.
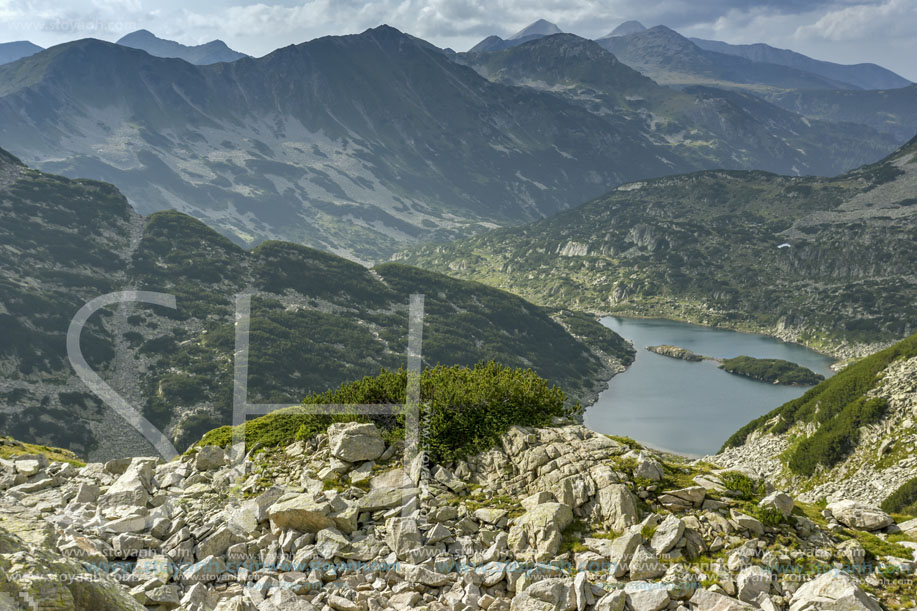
{"type": "Point", "coordinates": [772, 371]}
{"type": "Point", "coordinates": [677, 352]}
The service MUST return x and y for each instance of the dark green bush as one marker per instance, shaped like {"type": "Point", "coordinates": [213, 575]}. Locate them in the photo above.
{"type": "Point", "coordinates": [463, 410]}
{"type": "Point", "coordinates": [743, 486]}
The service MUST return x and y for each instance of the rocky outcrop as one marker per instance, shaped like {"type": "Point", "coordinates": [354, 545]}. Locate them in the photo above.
{"type": "Point", "coordinates": [549, 519]}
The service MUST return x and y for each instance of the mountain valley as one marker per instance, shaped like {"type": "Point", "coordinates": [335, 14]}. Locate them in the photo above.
{"type": "Point", "coordinates": [332, 328]}
{"type": "Point", "coordinates": [362, 144]}
{"type": "Point", "coordinates": [318, 320]}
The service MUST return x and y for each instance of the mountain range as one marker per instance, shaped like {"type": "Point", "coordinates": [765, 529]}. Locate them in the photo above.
{"type": "Point", "coordinates": [318, 320]}
{"type": "Point", "coordinates": [672, 59]}
{"type": "Point", "coordinates": [707, 127]}
{"type": "Point", "coordinates": [11, 51]}
{"type": "Point", "coordinates": [862, 76]}
{"type": "Point", "coordinates": [212, 52]}
{"type": "Point", "coordinates": [890, 111]}
{"type": "Point", "coordinates": [825, 262]}
{"type": "Point", "coordinates": [360, 144]}
{"type": "Point", "coordinates": [628, 27]}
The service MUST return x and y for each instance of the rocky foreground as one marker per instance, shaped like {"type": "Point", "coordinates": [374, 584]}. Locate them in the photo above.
{"type": "Point", "coordinates": [557, 518]}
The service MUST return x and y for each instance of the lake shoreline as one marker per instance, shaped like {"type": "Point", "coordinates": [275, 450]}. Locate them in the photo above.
{"type": "Point", "coordinates": [841, 352]}
{"type": "Point", "coordinates": [676, 406]}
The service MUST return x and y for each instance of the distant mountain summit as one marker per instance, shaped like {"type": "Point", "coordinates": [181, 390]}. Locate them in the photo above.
{"type": "Point", "coordinates": [861, 76]}
{"type": "Point", "coordinates": [628, 27]}
{"type": "Point", "coordinates": [669, 58]}
{"type": "Point", "coordinates": [213, 52]}
{"type": "Point", "coordinates": [539, 28]}
{"type": "Point", "coordinates": [11, 51]}
{"type": "Point", "coordinates": [533, 31]}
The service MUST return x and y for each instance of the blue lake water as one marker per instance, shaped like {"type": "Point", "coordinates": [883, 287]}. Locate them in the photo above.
{"type": "Point", "coordinates": [691, 408]}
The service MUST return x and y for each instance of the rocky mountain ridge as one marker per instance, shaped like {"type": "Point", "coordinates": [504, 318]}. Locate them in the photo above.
{"type": "Point", "coordinates": [550, 519]}
{"type": "Point", "coordinates": [213, 52]}
{"type": "Point", "coordinates": [360, 144]}
{"type": "Point", "coordinates": [703, 127]}
{"type": "Point", "coordinates": [12, 51]}
{"type": "Point", "coordinates": [669, 58]}
{"type": "Point", "coordinates": [862, 76]}
{"type": "Point", "coordinates": [824, 262]}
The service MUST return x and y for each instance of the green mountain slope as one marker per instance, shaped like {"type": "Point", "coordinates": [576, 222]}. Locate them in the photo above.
{"type": "Point", "coordinates": [318, 319]}
{"type": "Point", "coordinates": [705, 127]}
{"type": "Point", "coordinates": [848, 436]}
{"type": "Point", "coordinates": [360, 144]}
{"type": "Point", "coordinates": [830, 262]}
{"type": "Point", "coordinates": [891, 111]}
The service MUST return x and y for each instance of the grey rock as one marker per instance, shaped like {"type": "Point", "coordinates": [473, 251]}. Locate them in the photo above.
{"type": "Point", "coordinates": [355, 441]}
{"type": "Point", "coordinates": [752, 582]}
{"type": "Point", "coordinates": [860, 515]}
{"type": "Point", "coordinates": [833, 591]}
{"type": "Point", "coordinates": [667, 534]}
{"type": "Point", "coordinates": [646, 596]}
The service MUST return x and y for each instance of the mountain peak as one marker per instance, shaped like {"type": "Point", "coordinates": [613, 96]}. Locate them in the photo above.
{"type": "Point", "coordinates": [139, 34]}
{"type": "Point", "coordinates": [213, 52]}
{"type": "Point", "coordinates": [385, 31]}
{"type": "Point", "coordinates": [12, 51]}
{"type": "Point", "coordinates": [538, 28]}
{"type": "Point", "coordinates": [628, 27]}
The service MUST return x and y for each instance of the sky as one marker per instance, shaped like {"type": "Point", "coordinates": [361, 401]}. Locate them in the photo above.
{"type": "Point", "coordinates": [844, 31]}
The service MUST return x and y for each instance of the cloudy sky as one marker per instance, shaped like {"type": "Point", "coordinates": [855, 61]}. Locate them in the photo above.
{"type": "Point", "coordinates": [846, 31]}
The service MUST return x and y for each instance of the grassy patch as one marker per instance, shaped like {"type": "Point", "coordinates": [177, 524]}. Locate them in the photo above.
{"type": "Point", "coordinates": [830, 400]}
{"type": "Point", "coordinates": [573, 537]}
{"type": "Point", "coordinates": [10, 449]}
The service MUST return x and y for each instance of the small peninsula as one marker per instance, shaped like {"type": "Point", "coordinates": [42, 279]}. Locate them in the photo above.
{"type": "Point", "coordinates": [772, 371]}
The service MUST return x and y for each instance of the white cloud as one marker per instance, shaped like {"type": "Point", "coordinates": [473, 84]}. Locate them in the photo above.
{"type": "Point", "coordinates": [862, 21]}
{"type": "Point", "coordinates": [839, 30]}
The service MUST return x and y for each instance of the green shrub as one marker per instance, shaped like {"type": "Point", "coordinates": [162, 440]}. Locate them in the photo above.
{"type": "Point", "coordinates": [902, 500]}
{"type": "Point", "coordinates": [744, 487]}
{"type": "Point", "coordinates": [463, 410]}
{"type": "Point", "coordinates": [769, 516]}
